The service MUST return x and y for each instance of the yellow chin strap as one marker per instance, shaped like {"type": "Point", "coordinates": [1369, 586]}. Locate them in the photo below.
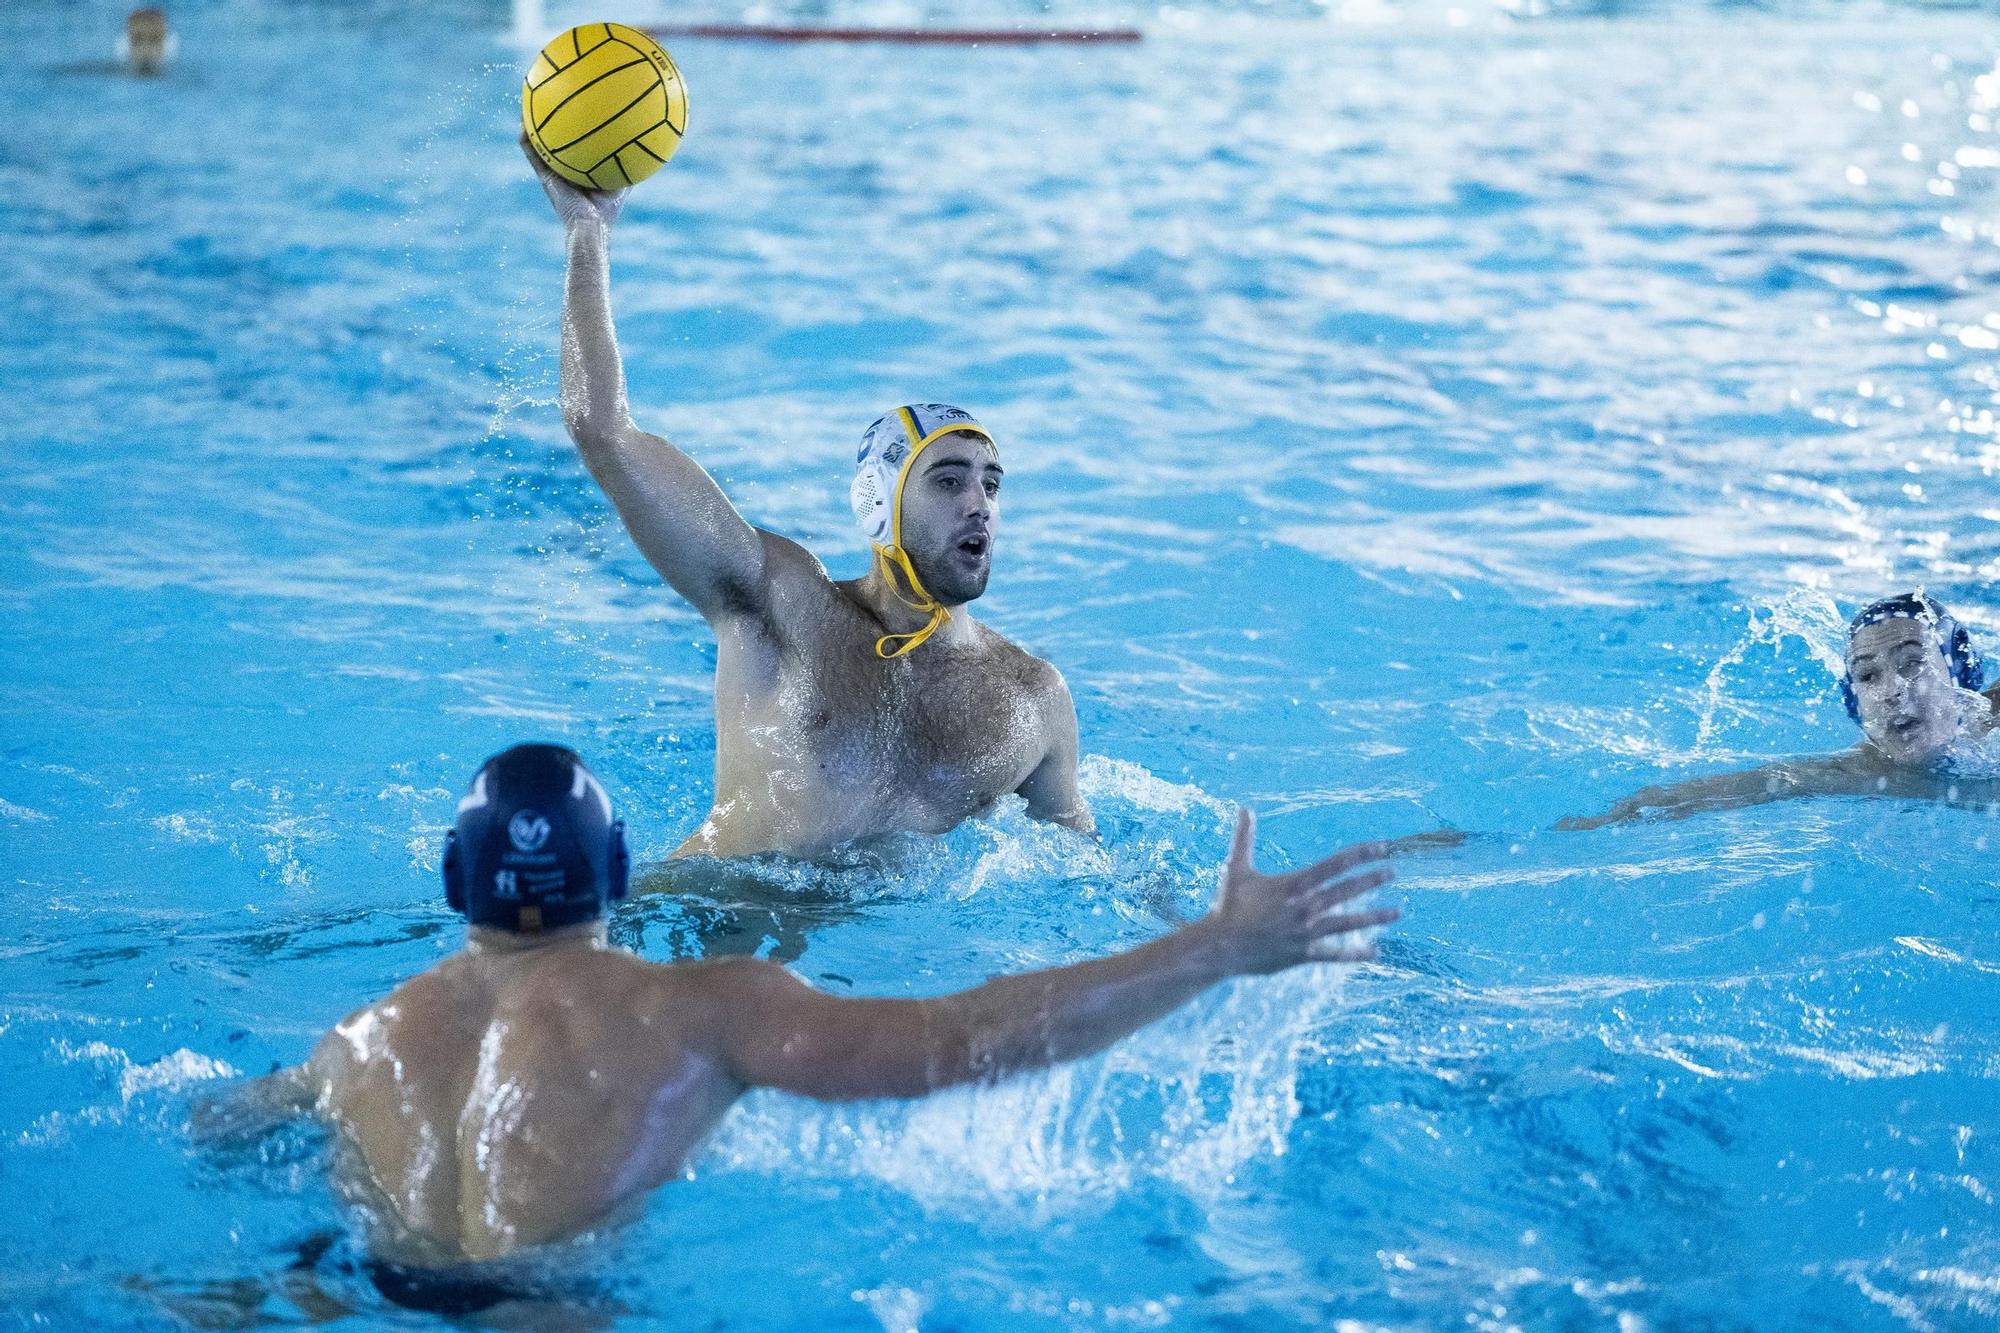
{"type": "Point", "coordinates": [889, 559]}
{"type": "Point", "coordinates": [892, 558]}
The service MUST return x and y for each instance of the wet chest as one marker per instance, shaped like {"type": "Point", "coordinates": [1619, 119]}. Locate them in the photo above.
{"type": "Point", "coordinates": [947, 731]}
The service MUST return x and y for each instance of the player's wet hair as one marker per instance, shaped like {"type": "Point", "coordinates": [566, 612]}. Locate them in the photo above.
{"type": "Point", "coordinates": [536, 846]}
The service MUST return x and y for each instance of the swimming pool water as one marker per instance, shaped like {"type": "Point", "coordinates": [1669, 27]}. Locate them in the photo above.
{"type": "Point", "coordinates": [1412, 418]}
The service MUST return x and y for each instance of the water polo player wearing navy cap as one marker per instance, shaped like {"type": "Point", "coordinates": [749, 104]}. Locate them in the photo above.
{"type": "Point", "coordinates": [527, 1086]}
{"type": "Point", "coordinates": [842, 710]}
{"type": "Point", "coordinates": [535, 846]}
{"type": "Point", "coordinates": [1913, 682]}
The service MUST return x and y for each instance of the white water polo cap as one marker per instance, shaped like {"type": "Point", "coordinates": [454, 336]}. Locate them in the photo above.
{"type": "Point", "coordinates": [889, 448]}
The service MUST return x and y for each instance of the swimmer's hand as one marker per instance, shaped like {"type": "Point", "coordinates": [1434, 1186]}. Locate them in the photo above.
{"type": "Point", "coordinates": [240, 1112]}
{"type": "Point", "coordinates": [1432, 840]}
{"type": "Point", "coordinates": [573, 204]}
{"type": "Point", "coordinates": [1266, 923]}
{"type": "Point", "coordinates": [1628, 809]}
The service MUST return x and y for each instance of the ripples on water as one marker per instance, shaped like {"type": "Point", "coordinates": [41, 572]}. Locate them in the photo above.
{"type": "Point", "coordinates": [1409, 421]}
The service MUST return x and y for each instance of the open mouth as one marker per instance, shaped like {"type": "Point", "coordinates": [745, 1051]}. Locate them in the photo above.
{"type": "Point", "coordinates": [1905, 727]}
{"type": "Point", "coordinates": [974, 545]}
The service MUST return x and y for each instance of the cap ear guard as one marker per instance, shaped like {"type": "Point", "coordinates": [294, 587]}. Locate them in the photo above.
{"type": "Point", "coordinates": [1968, 668]}
{"type": "Point", "coordinates": [1847, 697]}
{"type": "Point", "coordinates": [454, 873]}
{"type": "Point", "coordinates": [618, 865]}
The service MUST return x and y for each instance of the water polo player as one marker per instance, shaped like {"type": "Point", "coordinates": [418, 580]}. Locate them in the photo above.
{"type": "Point", "coordinates": [525, 1087]}
{"type": "Point", "coordinates": [842, 710]}
{"type": "Point", "coordinates": [1913, 683]}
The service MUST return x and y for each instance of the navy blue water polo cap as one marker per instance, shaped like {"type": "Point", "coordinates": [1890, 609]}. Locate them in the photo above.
{"type": "Point", "coordinates": [536, 846]}
{"type": "Point", "coordinates": [1967, 667]}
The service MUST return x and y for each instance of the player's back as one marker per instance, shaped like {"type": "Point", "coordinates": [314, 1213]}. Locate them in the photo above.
{"type": "Point", "coordinates": [511, 1096]}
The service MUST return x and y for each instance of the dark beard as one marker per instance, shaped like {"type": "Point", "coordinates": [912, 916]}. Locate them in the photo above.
{"type": "Point", "coordinates": [949, 582]}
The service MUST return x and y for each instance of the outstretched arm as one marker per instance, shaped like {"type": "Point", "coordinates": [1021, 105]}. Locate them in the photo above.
{"type": "Point", "coordinates": [251, 1109]}
{"type": "Point", "coordinates": [677, 515]}
{"type": "Point", "coordinates": [1723, 791]}
{"type": "Point", "coordinates": [775, 1031]}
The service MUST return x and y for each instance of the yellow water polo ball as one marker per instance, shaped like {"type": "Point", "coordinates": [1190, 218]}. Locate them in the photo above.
{"type": "Point", "coordinates": [604, 105]}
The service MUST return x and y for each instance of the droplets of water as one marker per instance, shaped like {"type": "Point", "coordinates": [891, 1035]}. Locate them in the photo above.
{"type": "Point", "coordinates": [1186, 1103]}
{"type": "Point", "coordinates": [144, 1086]}
{"type": "Point", "coordinates": [1805, 614]}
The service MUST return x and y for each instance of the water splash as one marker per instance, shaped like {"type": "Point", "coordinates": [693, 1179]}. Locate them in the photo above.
{"type": "Point", "coordinates": [136, 1083]}
{"type": "Point", "coordinates": [1188, 1103]}
{"type": "Point", "coordinates": [1805, 614]}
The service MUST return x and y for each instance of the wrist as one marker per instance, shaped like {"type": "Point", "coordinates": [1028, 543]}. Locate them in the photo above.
{"type": "Point", "coordinates": [1210, 950]}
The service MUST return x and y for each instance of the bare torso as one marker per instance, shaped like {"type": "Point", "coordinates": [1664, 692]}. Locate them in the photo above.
{"type": "Point", "coordinates": [505, 1099]}
{"type": "Point", "coordinates": [820, 741]}
{"type": "Point", "coordinates": [535, 1085]}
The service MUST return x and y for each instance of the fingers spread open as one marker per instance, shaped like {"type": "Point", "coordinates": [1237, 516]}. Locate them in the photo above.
{"type": "Point", "coordinates": [1355, 885]}
{"type": "Point", "coordinates": [1345, 860]}
{"type": "Point", "coordinates": [1340, 923]}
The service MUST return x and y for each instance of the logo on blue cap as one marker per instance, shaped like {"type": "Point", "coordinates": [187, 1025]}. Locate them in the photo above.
{"type": "Point", "coordinates": [528, 831]}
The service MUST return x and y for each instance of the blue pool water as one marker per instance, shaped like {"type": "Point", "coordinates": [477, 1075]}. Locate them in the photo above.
{"type": "Point", "coordinates": [1413, 417]}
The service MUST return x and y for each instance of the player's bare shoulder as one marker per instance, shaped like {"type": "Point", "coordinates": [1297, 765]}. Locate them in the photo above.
{"type": "Point", "coordinates": [695, 1002]}
{"type": "Point", "coordinates": [377, 1036]}
{"type": "Point", "coordinates": [1034, 679]}
{"type": "Point", "coordinates": [796, 581]}
{"type": "Point", "coordinates": [789, 560]}
{"type": "Point", "coordinates": [1031, 672]}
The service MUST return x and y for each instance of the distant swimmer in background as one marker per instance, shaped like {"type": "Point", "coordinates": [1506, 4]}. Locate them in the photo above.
{"type": "Point", "coordinates": [540, 1082]}
{"type": "Point", "coordinates": [842, 710]}
{"type": "Point", "coordinates": [145, 47]}
{"type": "Point", "coordinates": [1916, 686]}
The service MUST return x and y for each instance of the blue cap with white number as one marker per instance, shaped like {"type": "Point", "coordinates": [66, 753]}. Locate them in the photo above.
{"type": "Point", "coordinates": [535, 846]}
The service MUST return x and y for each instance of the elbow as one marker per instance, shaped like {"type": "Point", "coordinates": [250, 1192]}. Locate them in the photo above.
{"type": "Point", "coordinates": [1076, 818]}
{"type": "Point", "coordinates": [948, 1053]}
{"type": "Point", "coordinates": [588, 428]}
{"type": "Point", "coordinates": [598, 436]}
{"type": "Point", "coordinates": [592, 417]}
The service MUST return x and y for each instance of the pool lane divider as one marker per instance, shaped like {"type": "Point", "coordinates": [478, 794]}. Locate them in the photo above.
{"type": "Point", "coordinates": [759, 32]}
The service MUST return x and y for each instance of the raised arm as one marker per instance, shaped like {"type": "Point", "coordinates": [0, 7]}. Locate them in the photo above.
{"type": "Point", "coordinates": [772, 1030]}
{"type": "Point", "coordinates": [677, 515]}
